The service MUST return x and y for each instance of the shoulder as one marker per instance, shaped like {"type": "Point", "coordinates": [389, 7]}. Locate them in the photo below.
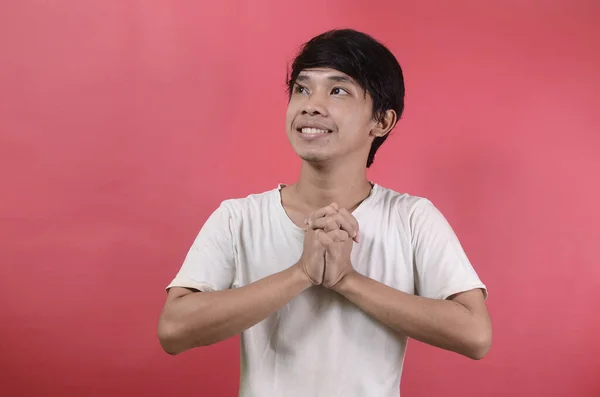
{"type": "Point", "coordinates": [417, 216]}
{"type": "Point", "coordinates": [404, 204]}
{"type": "Point", "coordinates": [250, 204]}
{"type": "Point", "coordinates": [413, 213]}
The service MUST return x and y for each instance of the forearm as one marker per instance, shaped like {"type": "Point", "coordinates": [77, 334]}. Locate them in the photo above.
{"type": "Point", "coordinates": [199, 319]}
{"type": "Point", "coordinates": [443, 323]}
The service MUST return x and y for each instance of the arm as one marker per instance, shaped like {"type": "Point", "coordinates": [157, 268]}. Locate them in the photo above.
{"type": "Point", "coordinates": [460, 324]}
{"type": "Point", "coordinates": [191, 319]}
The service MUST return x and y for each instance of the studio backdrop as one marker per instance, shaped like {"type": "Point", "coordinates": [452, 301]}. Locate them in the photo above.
{"type": "Point", "coordinates": [124, 124]}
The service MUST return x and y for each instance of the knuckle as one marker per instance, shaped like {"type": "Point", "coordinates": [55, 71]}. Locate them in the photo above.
{"type": "Point", "coordinates": [339, 235]}
{"type": "Point", "coordinates": [332, 223]}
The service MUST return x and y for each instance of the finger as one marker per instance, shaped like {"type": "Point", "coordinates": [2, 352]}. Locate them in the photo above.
{"type": "Point", "coordinates": [333, 222]}
{"type": "Point", "coordinates": [322, 212]}
{"type": "Point", "coordinates": [348, 223]}
{"type": "Point", "coordinates": [327, 223]}
{"type": "Point", "coordinates": [324, 238]}
{"type": "Point", "coordinates": [352, 220]}
{"type": "Point", "coordinates": [338, 236]}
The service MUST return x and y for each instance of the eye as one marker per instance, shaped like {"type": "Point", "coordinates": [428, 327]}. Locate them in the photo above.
{"type": "Point", "coordinates": [339, 91]}
{"type": "Point", "coordinates": [298, 89]}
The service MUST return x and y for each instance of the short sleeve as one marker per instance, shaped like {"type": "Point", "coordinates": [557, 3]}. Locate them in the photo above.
{"type": "Point", "coordinates": [209, 264]}
{"type": "Point", "coordinates": [442, 268]}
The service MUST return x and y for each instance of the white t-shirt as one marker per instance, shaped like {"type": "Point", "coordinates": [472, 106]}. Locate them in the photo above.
{"type": "Point", "coordinates": [320, 344]}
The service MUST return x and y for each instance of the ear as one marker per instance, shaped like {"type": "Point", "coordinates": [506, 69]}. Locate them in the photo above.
{"type": "Point", "coordinates": [385, 125]}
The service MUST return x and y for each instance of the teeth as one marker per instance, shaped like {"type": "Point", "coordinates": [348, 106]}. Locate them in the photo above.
{"type": "Point", "coordinates": [309, 131]}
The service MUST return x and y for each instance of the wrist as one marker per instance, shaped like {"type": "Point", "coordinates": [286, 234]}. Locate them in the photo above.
{"type": "Point", "coordinates": [346, 283]}
{"type": "Point", "coordinates": [300, 277]}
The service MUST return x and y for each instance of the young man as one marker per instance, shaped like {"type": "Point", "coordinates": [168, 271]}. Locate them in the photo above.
{"type": "Point", "coordinates": [326, 278]}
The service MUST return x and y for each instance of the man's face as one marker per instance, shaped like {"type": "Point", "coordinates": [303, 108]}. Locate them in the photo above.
{"type": "Point", "coordinates": [329, 117]}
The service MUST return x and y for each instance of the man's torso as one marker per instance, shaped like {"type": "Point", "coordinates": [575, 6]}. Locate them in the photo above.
{"type": "Point", "coordinates": [320, 344]}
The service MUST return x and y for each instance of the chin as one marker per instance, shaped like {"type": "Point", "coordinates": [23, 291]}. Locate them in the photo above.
{"type": "Point", "coordinates": [312, 154]}
{"type": "Point", "coordinates": [312, 158]}
{"type": "Point", "coordinates": [315, 159]}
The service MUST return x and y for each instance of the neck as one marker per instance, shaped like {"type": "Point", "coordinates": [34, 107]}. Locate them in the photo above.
{"type": "Point", "coordinates": [322, 185]}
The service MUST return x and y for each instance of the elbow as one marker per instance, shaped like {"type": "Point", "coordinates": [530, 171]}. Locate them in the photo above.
{"type": "Point", "coordinates": [479, 345]}
{"type": "Point", "coordinates": [170, 348]}
{"type": "Point", "coordinates": [175, 338]}
{"type": "Point", "coordinates": [170, 338]}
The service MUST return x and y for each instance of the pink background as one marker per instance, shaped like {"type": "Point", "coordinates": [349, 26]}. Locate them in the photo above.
{"type": "Point", "coordinates": [123, 124]}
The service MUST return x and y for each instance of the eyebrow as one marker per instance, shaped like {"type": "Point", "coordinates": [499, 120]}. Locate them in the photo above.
{"type": "Point", "coordinates": [337, 78]}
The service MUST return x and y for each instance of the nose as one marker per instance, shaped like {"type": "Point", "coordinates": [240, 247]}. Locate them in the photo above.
{"type": "Point", "coordinates": [314, 106]}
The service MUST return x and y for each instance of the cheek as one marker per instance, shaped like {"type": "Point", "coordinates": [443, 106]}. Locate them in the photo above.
{"type": "Point", "coordinates": [353, 119]}
{"type": "Point", "coordinates": [290, 114]}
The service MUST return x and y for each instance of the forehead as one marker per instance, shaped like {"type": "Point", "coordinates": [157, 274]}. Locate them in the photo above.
{"type": "Point", "coordinates": [324, 75]}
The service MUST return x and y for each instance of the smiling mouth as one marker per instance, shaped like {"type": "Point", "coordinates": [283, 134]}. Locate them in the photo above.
{"type": "Point", "coordinates": [312, 131]}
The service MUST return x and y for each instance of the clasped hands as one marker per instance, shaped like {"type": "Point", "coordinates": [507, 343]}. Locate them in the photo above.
{"type": "Point", "coordinates": [328, 242]}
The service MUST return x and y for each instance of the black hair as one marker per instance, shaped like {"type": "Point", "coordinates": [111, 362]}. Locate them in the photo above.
{"type": "Point", "coordinates": [364, 59]}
